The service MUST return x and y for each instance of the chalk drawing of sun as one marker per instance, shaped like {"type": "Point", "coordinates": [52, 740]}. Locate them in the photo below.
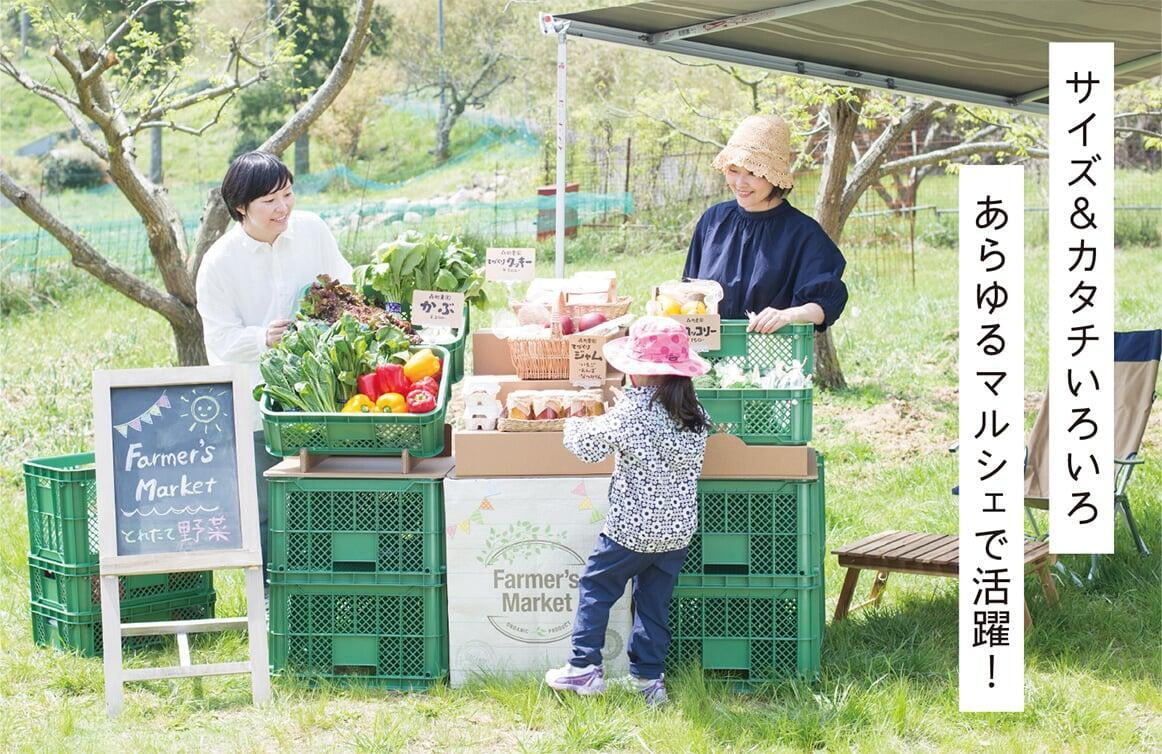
{"type": "Point", "coordinates": [202, 408]}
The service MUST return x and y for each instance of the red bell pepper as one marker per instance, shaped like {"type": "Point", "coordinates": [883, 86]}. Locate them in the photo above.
{"type": "Point", "coordinates": [421, 402]}
{"type": "Point", "coordinates": [368, 385]}
{"type": "Point", "coordinates": [391, 379]}
{"type": "Point", "coordinates": [431, 384]}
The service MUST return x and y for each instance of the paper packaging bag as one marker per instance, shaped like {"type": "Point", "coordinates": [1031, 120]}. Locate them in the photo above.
{"type": "Point", "coordinates": [516, 550]}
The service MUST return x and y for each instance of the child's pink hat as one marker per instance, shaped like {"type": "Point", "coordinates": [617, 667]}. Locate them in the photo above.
{"type": "Point", "coordinates": [655, 346]}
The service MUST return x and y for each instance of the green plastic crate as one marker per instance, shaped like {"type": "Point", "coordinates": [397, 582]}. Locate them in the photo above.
{"type": "Point", "coordinates": [755, 533]}
{"type": "Point", "coordinates": [393, 637]}
{"type": "Point", "coordinates": [747, 636]}
{"type": "Point", "coordinates": [61, 494]}
{"type": "Point", "coordinates": [390, 529]}
{"type": "Point", "coordinates": [455, 365]}
{"type": "Point", "coordinates": [422, 435]}
{"type": "Point", "coordinates": [77, 589]}
{"type": "Point", "coordinates": [757, 416]}
{"type": "Point", "coordinates": [81, 632]}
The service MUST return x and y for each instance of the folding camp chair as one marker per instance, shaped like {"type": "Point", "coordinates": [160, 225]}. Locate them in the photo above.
{"type": "Point", "coordinates": [1136, 357]}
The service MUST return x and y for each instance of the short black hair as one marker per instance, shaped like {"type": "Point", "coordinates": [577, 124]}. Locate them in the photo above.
{"type": "Point", "coordinates": [250, 176]}
{"type": "Point", "coordinates": [777, 191]}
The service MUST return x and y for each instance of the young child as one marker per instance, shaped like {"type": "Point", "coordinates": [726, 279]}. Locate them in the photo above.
{"type": "Point", "coordinates": [658, 435]}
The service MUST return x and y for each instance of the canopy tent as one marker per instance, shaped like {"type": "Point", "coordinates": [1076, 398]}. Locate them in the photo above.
{"type": "Point", "coordinates": [987, 52]}
{"type": "Point", "coordinates": [984, 52]}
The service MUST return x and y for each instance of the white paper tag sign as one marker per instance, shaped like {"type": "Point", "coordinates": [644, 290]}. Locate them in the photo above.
{"type": "Point", "coordinates": [506, 264]}
{"type": "Point", "coordinates": [704, 330]}
{"type": "Point", "coordinates": [586, 362]}
{"type": "Point", "coordinates": [437, 308]}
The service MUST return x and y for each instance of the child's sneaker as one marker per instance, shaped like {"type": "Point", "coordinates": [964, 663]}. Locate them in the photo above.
{"type": "Point", "coordinates": [653, 689]}
{"type": "Point", "coordinates": [585, 681]}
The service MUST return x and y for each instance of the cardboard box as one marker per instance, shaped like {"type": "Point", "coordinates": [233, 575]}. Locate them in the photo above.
{"type": "Point", "coordinates": [363, 467]}
{"type": "Point", "coordinates": [519, 454]}
{"type": "Point", "coordinates": [728, 457]}
{"type": "Point", "coordinates": [516, 550]}
{"type": "Point", "coordinates": [510, 382]}
{"type": "Point", "coordinates": [490, 354]}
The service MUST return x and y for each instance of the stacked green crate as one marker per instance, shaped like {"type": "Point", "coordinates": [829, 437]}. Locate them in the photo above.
{"type": "Point", "coordinates": [357, 576]}
{"type": "Point", "coordinates": [63, 563]}
{"type": "Point", "coordinates": [749, 602]}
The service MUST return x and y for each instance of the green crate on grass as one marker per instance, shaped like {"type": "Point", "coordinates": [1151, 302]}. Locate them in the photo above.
{"type": "Point", "coordinates": [81, 632]}
{"type": "Point", "coordinates": [421, 435]}
{"type": "Point", "coordinates": [394, 637]}
{"type": "Point", "coordinates": [77, 589]}
{"type": "Point", "coordinates": [758, 416]}
{"type": "Point", "coordinates": [389, 528]}
{"type": "Point", "coordinates": [747, 636]}
{"type": "Point", "coordinates": [61, 495]}
{"type": "Point", "coordinates": [757, 533]}
{"type": "Point", "coordinates": [455, 365]}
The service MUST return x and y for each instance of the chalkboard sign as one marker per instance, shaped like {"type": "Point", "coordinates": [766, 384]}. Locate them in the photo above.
{"type": "Point", "coordinates": [175, 492]}
{"type": "Point", "coordinates": [175, 469]}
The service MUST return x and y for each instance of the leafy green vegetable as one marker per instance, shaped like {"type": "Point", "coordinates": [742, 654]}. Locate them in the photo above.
{"type": "Point", "coordinates": [315, 367]}
{"type": "Point", "coordinates": [421, 263]}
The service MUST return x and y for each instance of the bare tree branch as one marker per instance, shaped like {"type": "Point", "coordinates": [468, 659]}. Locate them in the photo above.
{"type": "Point", "coordinates": [187, 129]}
{"type": "Point", "coordinates": [1121, 116]}
{"type": "Point", "coordinates": [88, 258]}
{"type": "Point", "coordinates": [231, 89]}
{"type": "Point", "coordinates": [67, 105]}
{"type": "Point", "coordinates": [1142, 131]}
{"type": "Point", "coordinates": [955, 152]}
{"type": "Point", "coordinates": [121, 30]}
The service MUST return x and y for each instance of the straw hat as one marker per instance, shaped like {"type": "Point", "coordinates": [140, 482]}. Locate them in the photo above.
{"type": "Point", "coordinates": [762, 145]}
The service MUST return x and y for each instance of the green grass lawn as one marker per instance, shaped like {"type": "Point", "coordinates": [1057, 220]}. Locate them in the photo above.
{"type": "Point", "coordinates": [1093, 679]}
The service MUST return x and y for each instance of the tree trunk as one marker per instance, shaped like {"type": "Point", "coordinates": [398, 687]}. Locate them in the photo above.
{"type": "Point", "coordinates": [303, 154]}
{"type": "Point", "coordinates": [444, 134]}
{"type": "Point", "coordinates": [844, 119]}
{"type": "Point", "coordinates": [155, 171]}
{"type": "Point", "coordinates": [191, 347]}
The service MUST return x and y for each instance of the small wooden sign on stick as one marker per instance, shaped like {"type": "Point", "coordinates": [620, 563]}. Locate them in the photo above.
{"type": "Point", "coordinates": [176, 493]}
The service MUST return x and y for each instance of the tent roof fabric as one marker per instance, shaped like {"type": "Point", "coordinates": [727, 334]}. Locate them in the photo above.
{"type": "Point", "coordinates": [991, 52]}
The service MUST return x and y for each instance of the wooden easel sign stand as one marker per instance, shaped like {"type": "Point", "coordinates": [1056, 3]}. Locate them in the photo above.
{"type": "Point", "coordinates": [175, 492]}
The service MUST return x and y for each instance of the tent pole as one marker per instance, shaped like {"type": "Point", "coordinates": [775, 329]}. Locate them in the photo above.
{"type": "Point", "coordinates": [561, 27]}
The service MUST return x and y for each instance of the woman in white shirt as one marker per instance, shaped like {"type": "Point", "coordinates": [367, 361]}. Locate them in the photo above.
{"type": "Point", "coordinates": [250, 279]}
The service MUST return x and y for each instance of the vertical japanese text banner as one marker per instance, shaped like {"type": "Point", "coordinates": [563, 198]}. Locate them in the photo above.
{"type": "Point", "coordinates": [1081, 298]}
{"type": "Point", "coordinates": [992, 386]}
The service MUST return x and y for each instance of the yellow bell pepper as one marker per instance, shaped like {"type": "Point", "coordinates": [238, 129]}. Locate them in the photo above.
{"type": "Point", "coordinates": [392, 403]}
{"type": "Point", "coordinates": [359, 404]}
{"type": "Point", "coordinates": [693, 307]}
{"type": "Point", "coordinates": [423, 363]}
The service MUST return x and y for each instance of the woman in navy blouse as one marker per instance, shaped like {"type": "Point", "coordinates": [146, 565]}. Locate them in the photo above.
{"type": "Point", "coordinates": [770, 258]}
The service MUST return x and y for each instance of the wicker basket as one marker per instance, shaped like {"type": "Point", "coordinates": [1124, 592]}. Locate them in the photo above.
{"type": "Point", "coordinates": [541, 358]}
{"type": "Point", "coordinates": [530, 425]}
{"type": "Point", "coordinates": [611, 310]}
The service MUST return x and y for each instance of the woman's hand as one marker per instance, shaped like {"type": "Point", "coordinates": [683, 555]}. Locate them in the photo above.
{"type": "Point", "coordinates": [275, 330]}
{"type": "Point", "coordinates": [771, 319]}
